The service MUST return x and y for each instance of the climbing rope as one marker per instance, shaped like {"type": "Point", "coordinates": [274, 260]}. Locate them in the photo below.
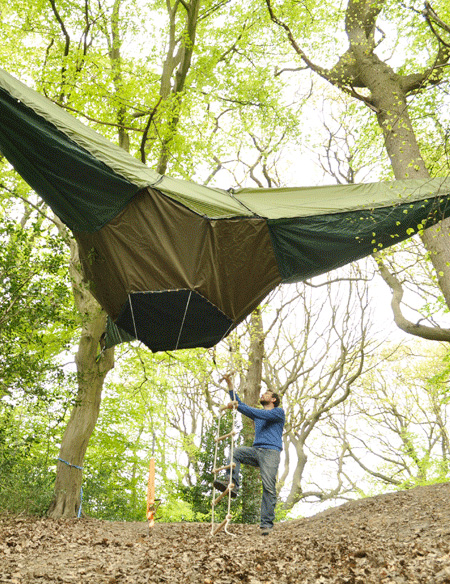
{"type": "Point", "coordinates": [215, 500]}
{"type": "Point", "coordinates": [81, 490]}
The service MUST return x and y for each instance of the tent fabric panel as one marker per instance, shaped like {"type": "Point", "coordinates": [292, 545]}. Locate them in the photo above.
{"type": "Point", "coordinates": [173, 319]}
{"type": "Point", "coordinates": [288, 203]}
{"type": "Point", "coordinates": [152, 245]}
{"type": "Point", "coordinates": [307, 247]}
{"type": "Point", "coordinates": [82, 191]}
{"type": "Point", "coordinates": [115, 335]}
{"type": "Point", "coordinates": [241, 268]}
{"type": "Point", "coordinates": [156, 244]}
{"type": "Point", "coordinates": [209, 201]}
{"type": "Point", "coordinates": [99, 147]}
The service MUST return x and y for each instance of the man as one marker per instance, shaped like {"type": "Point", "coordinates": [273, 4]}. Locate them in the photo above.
{"type": "Point", "coordinates": [265, 452]}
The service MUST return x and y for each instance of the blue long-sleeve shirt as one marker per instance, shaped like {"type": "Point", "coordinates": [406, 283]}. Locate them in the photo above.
{"type": "Point", "coordinates": [269, 424]}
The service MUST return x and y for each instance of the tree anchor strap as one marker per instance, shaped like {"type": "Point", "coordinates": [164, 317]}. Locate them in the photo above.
{"type": "Point", "coordinates": [71, 465]}
{"type": "Point", "coordinates": [81, 490]}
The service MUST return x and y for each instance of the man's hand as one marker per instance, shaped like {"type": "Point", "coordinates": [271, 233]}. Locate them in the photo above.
{"type": "Point", "coordinates": [228, 378]}
{"type": "Point", "coordinates": [229, 406]}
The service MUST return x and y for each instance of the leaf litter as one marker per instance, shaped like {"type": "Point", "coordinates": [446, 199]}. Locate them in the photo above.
{"type": "Point", "coordinates": [397, 538]}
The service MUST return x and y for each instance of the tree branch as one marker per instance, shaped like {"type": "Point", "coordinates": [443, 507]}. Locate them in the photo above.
{"type": "Point", "coordinates": [418, 330]}
{"type": "Point", "coordinates": [343, 75]}
{"type": "Point", "coordinates": [360, 24]}
{"type": "Point", "coordinates": [322, 72]}
{"type": "Point", "coordinates": [373, 473]}
{"type": "Point", "coordinates": [432, 75]}
{"type": "Point", "coordinates": [146, 130]}
{"type": "Point", "coordinates": [430, 15]}
{"type": "Point", "coordinates": [100, 122]}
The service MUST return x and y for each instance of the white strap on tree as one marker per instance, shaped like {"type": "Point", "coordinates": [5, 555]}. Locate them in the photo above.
{"type": "Point", "coordinates": [215, 500]}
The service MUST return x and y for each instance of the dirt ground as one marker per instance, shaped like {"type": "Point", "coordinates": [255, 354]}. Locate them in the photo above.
{"type": "Point", "coordinates": [396, 538]}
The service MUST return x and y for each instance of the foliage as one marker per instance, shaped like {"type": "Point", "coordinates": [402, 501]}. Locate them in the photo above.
{"type": "Point", "coordinates": [115, 478]}
{"type": "Point", "coordinates": [36, 327]}
{"type": "Point", "coordinates": [36, 318]}
{"type": "Point", "coordinates": [27, 453]}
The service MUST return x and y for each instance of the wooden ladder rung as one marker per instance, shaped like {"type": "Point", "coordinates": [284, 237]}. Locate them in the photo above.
{"type": "Point", "coordinates": [229, 435]}
{"type": "Point", "coordinates": [222, 495]}
{"type": "Point", "coordinates": [222, 525]}
{"type": "Point", "coordinates": [227, 466]}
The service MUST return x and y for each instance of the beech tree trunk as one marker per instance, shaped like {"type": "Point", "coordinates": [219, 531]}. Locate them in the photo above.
{"type": "Point", "coordinates": [389, 92]}
{"type": "Point", "coordinates": [92, 366]}
{"type": "Point", "coordinates": [91, 373]}
{"type": "Point", "coordinates": [250, 480]}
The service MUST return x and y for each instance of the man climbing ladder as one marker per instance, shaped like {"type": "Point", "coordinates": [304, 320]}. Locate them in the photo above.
{"type": "Point", "coordinates": [265, 452]}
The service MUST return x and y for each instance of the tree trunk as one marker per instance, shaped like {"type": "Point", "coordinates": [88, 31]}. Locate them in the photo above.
{"type": "Point", "coordinates": [389, 98]}
{"type": "Point", "coordinates": [251, 483]}
{"type": "Point", "coordinates": [296, 491]}
{"type": "Point", "coordinates": [91, 373]}
{"type": "Point", "coordinates": [175, 70]}
{"type": "Point", "coordinates": [359, 67]}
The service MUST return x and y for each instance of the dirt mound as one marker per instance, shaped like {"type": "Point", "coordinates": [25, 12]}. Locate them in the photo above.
{"type": "Point", "coordinates": [396, 538]}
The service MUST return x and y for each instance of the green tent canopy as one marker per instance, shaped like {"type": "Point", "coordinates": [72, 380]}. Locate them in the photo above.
{"type": "Point", "coordinates": [179, 265]}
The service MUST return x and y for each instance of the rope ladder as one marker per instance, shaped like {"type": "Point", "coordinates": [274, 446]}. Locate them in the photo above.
{"type": "Point", "coordinates": [215, 528]}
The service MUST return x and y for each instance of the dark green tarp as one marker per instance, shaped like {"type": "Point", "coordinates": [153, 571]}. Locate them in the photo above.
{"type": "Point", "coordinates": [179, 265]}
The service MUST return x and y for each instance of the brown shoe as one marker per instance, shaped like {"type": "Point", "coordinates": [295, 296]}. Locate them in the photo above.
{"type": "Point", "coordinates": [223, 486]}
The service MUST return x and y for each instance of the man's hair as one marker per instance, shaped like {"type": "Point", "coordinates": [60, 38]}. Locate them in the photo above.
{"type": "Point", "coordinates": [277, 399]}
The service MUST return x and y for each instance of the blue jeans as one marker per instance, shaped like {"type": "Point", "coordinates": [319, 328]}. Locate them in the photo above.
{"type": "Point", "coordinates": [268, 462]}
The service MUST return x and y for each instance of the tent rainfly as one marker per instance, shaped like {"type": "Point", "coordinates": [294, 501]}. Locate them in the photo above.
{"type": "Point", "coordinates": [179, 265]}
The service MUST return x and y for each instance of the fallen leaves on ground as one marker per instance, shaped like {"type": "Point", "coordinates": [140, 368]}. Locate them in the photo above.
{"type": "Point", "coordinates": [397, 538]}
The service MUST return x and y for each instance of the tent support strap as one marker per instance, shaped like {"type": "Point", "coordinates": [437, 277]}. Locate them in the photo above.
{"type": "Point", "coordinates": [184, 318]}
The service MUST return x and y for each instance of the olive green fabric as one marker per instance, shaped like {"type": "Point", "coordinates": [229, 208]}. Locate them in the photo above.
{"type": "Point", "coordinates": [329, 199]}
{"type": "Point", "coordinates": [177, 264]}
{"type": "Point", "coordinates": [77, 172]}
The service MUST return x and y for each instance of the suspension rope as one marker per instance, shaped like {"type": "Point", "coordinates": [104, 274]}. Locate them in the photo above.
{"type": "Point", "coordinates": [132, 315]}
{"type": "Point", "coordinates": [184, 318]}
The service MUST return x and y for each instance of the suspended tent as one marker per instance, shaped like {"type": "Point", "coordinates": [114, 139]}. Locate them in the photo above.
{"type": "Point", "coordinates": [179, 265]}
